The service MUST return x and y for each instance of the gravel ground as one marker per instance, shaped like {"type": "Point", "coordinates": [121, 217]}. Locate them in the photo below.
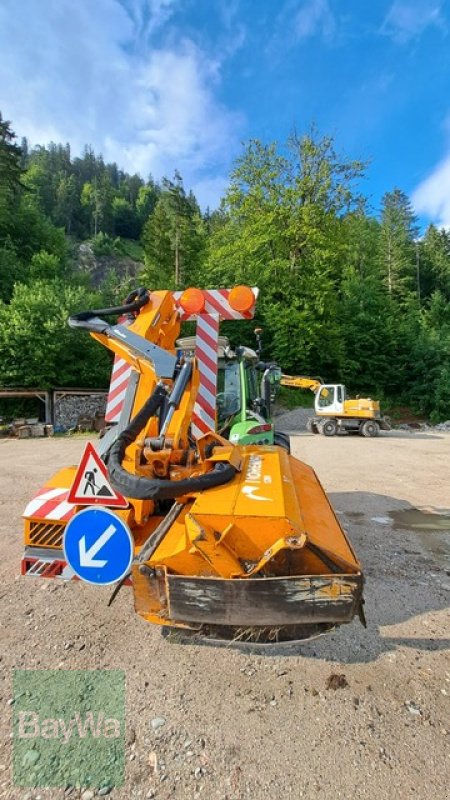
{"type": "Point", "coordinates": [237, 726]}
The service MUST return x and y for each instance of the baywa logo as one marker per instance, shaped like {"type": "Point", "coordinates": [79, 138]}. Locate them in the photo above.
{"type": "Point", "coordinates": [31, 726]}
{"type": "Point", "coordinates": [69, 728]}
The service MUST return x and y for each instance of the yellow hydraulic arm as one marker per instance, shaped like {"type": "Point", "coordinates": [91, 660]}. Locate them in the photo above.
{"type": "Point", "coordinates": [301, 382]}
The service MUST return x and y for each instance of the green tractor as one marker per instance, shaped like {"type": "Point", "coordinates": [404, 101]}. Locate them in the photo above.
{"type": "Point", "coordinates": [246, 389]}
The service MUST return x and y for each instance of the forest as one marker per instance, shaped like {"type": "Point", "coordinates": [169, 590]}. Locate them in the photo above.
{"type": "Point", "coordinates": [351, 293]}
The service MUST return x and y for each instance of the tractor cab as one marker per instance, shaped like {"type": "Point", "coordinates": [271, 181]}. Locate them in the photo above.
{"type": "Point", "coordinates": [245, 391]}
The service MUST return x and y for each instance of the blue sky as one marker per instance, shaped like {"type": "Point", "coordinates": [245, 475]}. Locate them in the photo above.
{"type": "Point", "coordinates": [164, 84]}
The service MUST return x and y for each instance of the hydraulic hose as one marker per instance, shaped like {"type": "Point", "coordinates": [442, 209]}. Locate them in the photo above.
{"type": "Point", "coordinates": [133, 303]}
{"type": "Point", "coordinates": [141, 488]}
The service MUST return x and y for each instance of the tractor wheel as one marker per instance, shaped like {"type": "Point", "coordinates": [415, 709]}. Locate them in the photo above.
{"type": "Point", "coordinates": [369, 428]}
{"type": "Point", "coordinates": [282, 440]}
{"type": "Point", "coordinates": [328, 427]}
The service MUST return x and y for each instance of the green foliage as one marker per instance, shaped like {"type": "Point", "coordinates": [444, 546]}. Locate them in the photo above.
{"type": "Point", "coordinates": [398, 257]}
{"type": "Point", "coordinates": [124, 217]}
{"type": "Point", "coordinates": [132, 249]}
{"type": "Point", "coordinates": [44, 266]}
{"type": "Point", "coordinates": [105, 245]}
{"type": "Point", "coordinates": [10, 156]}
{"type": "Point", "coordinates": [343, 294]}
{"type": "Point", "coordinates": [173, 238]}
{"type": "Point", "coordinates": [291, 398]}
{"type": "Point", "coordinates": [37, 347]}
{"type": "Point", "coordinates": [441, 399]}
{"type": "Point", "coordinates": [11, 269]}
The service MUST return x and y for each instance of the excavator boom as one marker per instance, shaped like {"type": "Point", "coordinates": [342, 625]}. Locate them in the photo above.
{"type": "Point", "coordinates": [301, 382]}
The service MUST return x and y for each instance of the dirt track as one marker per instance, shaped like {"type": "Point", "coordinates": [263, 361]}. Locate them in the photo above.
{"type": "Point", "coordinates": [242, 726]}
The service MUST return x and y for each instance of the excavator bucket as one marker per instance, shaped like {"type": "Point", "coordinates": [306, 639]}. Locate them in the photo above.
{"type": "Point", "coordinates": [230, 544]}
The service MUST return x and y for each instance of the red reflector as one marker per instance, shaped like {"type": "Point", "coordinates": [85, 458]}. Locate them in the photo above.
{"type": "Point", "coordinates": [260, 429]}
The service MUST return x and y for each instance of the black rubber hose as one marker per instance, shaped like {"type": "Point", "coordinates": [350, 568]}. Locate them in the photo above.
{"type": "Point", "coordinates": [148, 410]}
{"type": "Point", "coordinates": [133, 302]}
{"type": "Point", "coordinates": [155, 489]}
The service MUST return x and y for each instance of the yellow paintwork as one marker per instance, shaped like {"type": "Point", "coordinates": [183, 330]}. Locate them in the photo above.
{"type": "Point", "coordinates": [362, 407]}
{"type": "Point", "coordinates": [225, 526]}
{"type": "Point", "coordinates": [272, 520]}
{"type": "Point", "coordinates": [300, 382]}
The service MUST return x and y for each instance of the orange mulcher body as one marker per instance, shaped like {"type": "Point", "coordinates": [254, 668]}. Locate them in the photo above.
{"type": "Point", "coordinates": [231, 543]}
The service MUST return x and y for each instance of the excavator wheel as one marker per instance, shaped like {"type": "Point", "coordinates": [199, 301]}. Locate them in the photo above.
{"type": "Point", "coordinates": [282, 440]}
{"type": "Point", "coordinates": [311, 426]}
{"type": "Point", "coordinates": [369, 428]}
{"type": "Point", "coordinates": [328, 427]}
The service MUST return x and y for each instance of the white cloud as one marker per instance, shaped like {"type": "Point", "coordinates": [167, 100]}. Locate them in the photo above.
{"type": "Point", "coordinates": [148, 15]}
{"type": "Point", "coordinates": [315, 18]}
{"type": "Point", "coordinates": [407, 19]}
{"type": "Point", "coordinates": [432, 196]}
{"type": "Point", "coordinates": [89, 73]}
{"type": "Point", "coordinates": [209, 191]}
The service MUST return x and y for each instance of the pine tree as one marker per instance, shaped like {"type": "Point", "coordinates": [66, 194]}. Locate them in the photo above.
{"type": "Point", "coordinates": [10, 157]}
{"type": "Point", "coordinates": [397, 251]}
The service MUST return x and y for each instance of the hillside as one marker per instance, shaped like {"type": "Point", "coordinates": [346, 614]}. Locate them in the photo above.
{"type": "Point", "coordinates": [356, 297]}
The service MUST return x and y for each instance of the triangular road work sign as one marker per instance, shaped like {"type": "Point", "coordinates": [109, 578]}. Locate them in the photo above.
{"type": "Point", "coordinates": [91, 486]}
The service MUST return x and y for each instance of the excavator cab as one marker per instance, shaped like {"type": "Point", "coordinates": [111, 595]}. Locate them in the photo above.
{"type": "Point", "coordinates": [330, 399]}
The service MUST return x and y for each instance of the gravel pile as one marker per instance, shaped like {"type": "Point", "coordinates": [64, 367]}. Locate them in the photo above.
{"type": "Point", "coordinates": [424, 426]}
{"type": "Point", "coordinates": [292, 421]}
{"type": "Point", "coordinates": [295, 420]}
{"type": "Point", "coordinates": [443, 426]}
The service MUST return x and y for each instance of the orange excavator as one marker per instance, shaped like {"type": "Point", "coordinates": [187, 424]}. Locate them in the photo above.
{"type": "Point", "coordinates": [230, 544]}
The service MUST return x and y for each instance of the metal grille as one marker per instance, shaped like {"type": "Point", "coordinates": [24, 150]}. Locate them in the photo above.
{"type": "Point", "coordinates": [46, 534]}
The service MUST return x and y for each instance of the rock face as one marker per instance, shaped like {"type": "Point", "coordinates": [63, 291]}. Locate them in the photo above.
{"type": "Point", "coordinates": [99, 266]}
{"type": "Point", "coordinates": [86, 409]}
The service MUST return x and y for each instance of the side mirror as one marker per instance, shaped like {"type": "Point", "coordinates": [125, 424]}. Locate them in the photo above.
{"type": "Point", "coordinates": [271, 382]}
{"type": "Point", "coordinates": [275, 375]}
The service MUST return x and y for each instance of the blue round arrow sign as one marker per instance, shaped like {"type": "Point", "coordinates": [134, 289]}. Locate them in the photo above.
{"type": "Point", "coordinates": [98, 546]}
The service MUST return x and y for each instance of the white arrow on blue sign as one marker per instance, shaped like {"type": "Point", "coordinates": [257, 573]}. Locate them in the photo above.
{"type": "Point", "coordinates": [98, 546]}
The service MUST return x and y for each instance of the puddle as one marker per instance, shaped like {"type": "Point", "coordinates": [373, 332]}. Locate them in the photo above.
{"type": "Point", "coordinates": [428, 524]}
{"type": "Point", "coordinates": [420, 520]}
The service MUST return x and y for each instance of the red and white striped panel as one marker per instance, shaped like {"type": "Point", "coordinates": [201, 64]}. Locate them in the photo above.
{"type": "Point", "coordinates": [50, 504]}
{"type": "Point", "coordinates": [204, 412]}
{"type": "Point", "coordinates": [216, 302]}
{"type": "Point", "coordinates": [120, 376]}
{"type": "Point", "coordinates": [216, 308]}
{"type": "Point", "coordinates": [36, 564]}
